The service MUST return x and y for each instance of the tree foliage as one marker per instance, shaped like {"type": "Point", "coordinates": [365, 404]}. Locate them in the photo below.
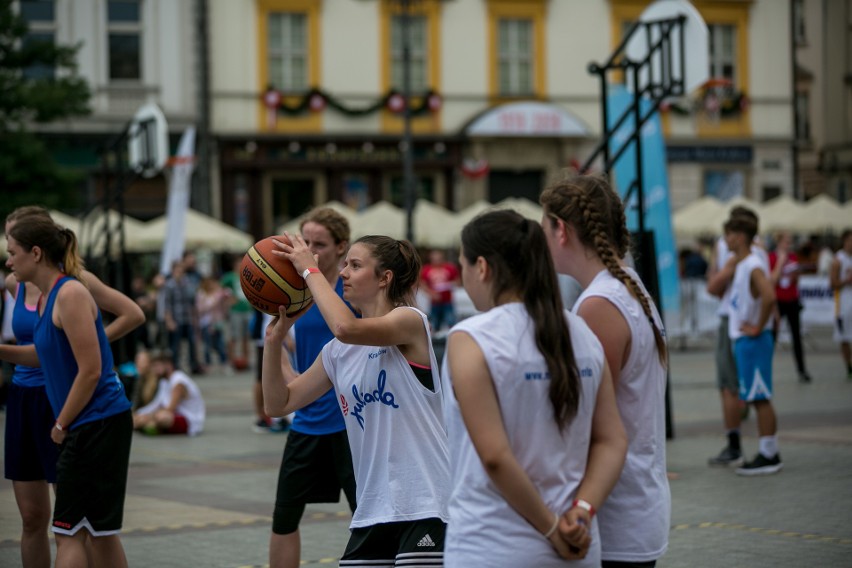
{"type": "Point", "coordinates": [28, 174]}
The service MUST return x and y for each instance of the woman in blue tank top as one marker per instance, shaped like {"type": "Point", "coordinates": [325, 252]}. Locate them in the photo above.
{"type": "Point", "coordinates": [92, 414]}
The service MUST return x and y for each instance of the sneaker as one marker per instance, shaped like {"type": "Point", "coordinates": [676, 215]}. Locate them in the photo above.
{"type": "Point", "coordinates": [728, 457]}
{"type": "Point", "coordinates": [261, 426]}
{"type": "Point", "coordinates": [761, 465]}
{"type": "Point", "coordinates": [279, 426]}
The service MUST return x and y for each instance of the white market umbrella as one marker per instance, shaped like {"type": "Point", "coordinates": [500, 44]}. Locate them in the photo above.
{"type": "Point", "coordinates": [822, 214]}
{"type": "Point", "coordinates": [380, 218]}
{"type": "Point", "coordinates": [292, 226]}
{"type": "Point", "coordinates": [201, 232]}
{"type": "Point", "coordinates": [780, 213]}
{"type": "Point", "coordinates": [433, 225]}
{"type": "Point", "coordinates": [91, 238]}
{"type": "Point", "coordinates": [522, 205]}
{"type": "Point", "coordinates": [698, 218]}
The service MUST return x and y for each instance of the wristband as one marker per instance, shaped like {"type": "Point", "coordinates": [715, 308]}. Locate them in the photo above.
{"type": "Point", "coordinates": [552, 530]}
{"type": "Point", "coordinates": [58, 426]}
{"type": "Point", "coordinates": [309, 270]}
{"type": "Point", "coordinates": [585, 505]}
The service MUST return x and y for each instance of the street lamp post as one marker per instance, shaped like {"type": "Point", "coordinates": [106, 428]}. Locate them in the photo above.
{"type": "Point", "coordinates": [408, 181]}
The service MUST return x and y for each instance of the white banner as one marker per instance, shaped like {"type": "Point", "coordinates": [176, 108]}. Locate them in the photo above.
{"type": "Point", "coordinates": [179, 187]}
{"type": "Point", "coordinates": [817, 301]}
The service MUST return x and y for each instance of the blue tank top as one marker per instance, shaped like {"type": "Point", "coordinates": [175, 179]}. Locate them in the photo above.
{"type": "Point", "coordinates": [23, 325]}
{"type": "Point", "coordinates": [322, 416]}
{"type": "Point", "coordinates": [60, 367]}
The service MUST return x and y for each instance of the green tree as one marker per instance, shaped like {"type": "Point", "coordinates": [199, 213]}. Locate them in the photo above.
{"type": "Point", "coordinates": [38, 84]}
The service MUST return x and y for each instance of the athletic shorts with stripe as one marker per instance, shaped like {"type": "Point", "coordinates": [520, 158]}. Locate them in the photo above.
{"type": "Point", "coordinates": [408, 543]}
{"type": "Point", "coordinates": [91, 477]}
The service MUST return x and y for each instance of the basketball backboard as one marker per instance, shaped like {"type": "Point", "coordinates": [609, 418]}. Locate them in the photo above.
{"type": "Point", "coordinates": [148, 141]}
{"type": "Point", "coordinates": [695, 43]}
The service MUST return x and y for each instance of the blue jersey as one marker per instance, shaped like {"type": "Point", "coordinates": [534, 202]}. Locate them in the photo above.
{"type": "Point", "coordinates": [23, 325]}
{"type": "Point", "coordinates": [60, 367]}
{"type": "Point", "coordinates": [322, 416]}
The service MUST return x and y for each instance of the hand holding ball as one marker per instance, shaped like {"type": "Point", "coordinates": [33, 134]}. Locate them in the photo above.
{"type": "Point", "coordinates": [269, 281]}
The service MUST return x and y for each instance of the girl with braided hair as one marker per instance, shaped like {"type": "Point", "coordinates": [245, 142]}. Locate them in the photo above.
{"type": "Point", "coordinates": [586, 230]}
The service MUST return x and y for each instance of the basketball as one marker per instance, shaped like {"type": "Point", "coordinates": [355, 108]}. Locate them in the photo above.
{"type": "Point", "coordinates": [269, 281]}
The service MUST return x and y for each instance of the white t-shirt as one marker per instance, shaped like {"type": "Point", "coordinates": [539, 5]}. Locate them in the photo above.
{"type": "Point", "coordinates": [484, 530]}
{"type": "Point", "coordinates": [191, 407]}
{"type": "Point", "coordinates": [745, 308]}
{"type": "Point", "coordinates": [723, 253]}
{"type": "Point", "coordinates": [634, 520]}
{"type": "Point", "coordinates": [844, 301]}
{"type": "Point", "coordinates": [396, 432]}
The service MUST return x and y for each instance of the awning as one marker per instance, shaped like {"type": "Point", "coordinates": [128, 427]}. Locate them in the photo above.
{"type": "Point", "coordinates": [527, 119]}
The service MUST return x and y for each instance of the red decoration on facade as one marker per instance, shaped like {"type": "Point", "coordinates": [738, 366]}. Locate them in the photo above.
{"type": "Point", "coordinates": [434, 102]}
{"type": "Point", "coordinates": [396, 103]}
{"type": "Point", "coordinates": [317, 103]}
{"type": "Point", "coordinates": [474, 169]}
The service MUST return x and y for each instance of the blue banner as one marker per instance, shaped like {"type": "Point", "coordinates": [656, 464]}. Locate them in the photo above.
{"type": "Point", "coordinates": [655, 177]}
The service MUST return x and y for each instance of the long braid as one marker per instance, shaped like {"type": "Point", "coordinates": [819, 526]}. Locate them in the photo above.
{"type": "Point", "coordinates": [607, 243]}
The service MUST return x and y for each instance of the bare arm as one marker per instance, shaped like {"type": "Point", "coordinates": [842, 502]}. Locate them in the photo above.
{"type": "Point", "coordinates": [20, 355]}
{"type": "Point", "coordinates": [179, 393]}
{"type": "Point", "coordinates": [607, 452]}
{"type": "Point", "coordinates": [611, 329]}
{"type": "Point", "coordinates": [74, 312]}
{"type": "Point", "coordinates": [399, 327]}
{"type": "Point", "coordinates": [835, 277]}
{"type": "Point", "coordinates": [283, 390]}
{"type": "Point", "coordinates": [11, 284]}
{"type": "Point", "coordinates": [762, 288]}
{"type": "Point", "coordinates": [719, 282]}
{"type": "Point", "coordinates": [128, 314]}
{"type": "Point", "coordinates": [480, 410]}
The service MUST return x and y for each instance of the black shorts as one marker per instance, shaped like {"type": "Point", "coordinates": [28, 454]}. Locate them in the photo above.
{"type": "Point", "coordinates": [407, 543]}
{"type": "Point", "coordinates": [92, 477]}
{"type": "Point", "coordinates": [313, 470]}
{"type": "Point", "coordinates": [30, 453]}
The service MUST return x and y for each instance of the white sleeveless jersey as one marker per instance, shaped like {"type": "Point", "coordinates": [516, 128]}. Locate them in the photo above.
{"type": "Point", "coordinates": [484, 530]}
{"type": "Point", "coordinates": [634, 520]}
{"type": "Point", "coordinates": [396, 432]}
{"type": "Point", "coordinates": [844, 296]}
{"type": "Point", "coordinates": [723, 253]}
{"type": "Point", "coordinates": [744, 307]}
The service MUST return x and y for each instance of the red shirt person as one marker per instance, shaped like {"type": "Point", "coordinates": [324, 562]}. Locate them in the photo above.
{"type": "Point", "coordinates": [784, 270]}
{"type": "Point", "coordinates": [439, 277]}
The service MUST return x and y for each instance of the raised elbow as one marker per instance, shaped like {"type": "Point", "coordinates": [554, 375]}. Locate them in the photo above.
{"type": "Point", "coordinates": [343, 331]}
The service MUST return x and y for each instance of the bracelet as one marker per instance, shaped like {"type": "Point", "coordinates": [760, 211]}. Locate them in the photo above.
{"type": "Point", "coordinates": [58, 426]}
{"type": "Point", "coordinates": [585, 505]}
{"type": "Point", "coordinates": [309, 270]}
{"type": "Point", "coordinates": [552, 530]}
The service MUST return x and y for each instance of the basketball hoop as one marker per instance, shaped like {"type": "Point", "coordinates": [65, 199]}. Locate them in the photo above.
{"type": "Point", "coordinates": [178, 160]}
{"type": "Point", "coordinates": [148, 141]}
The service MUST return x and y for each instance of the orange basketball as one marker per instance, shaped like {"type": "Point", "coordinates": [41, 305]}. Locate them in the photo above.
{"type": "Point", "coordinates": [269, 281]}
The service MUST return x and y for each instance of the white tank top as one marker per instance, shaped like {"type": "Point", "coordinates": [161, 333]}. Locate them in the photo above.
{"type": "Point", "coordinates": [723, 253]}
{"type": "Point", "coordinates": [744, 307]}
{"type": "Point", "coordinates": [844, 296]}
{"type": "Point", "coordinates": [484, 530]}
{"type": "Point", "coordinates": [634, 520]}
{"type": "Point", "coordinates": [396, 432]}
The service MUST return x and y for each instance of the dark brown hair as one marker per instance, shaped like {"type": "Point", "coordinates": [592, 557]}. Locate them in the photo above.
{"type": "Point", "coordinates": [516, 250]}
{"type": "Point", "coordinates": [58, 244]}
{"type": "Point", "coordinates": [589, 204]}
{"type": "Point", "coordinates": [336, 223]}
{"type": "Point", "coordinates": [401, 258]}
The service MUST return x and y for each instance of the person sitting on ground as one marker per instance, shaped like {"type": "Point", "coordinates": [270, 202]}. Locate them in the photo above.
{"type": "Point", "coordinates": [178, 407]}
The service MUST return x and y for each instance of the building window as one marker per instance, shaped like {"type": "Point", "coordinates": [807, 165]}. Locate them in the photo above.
{"type": "Point", "coordinates": [419, 53]}
{"type": "Point", "coordinates": [799, 22]}
{"type": "Point", "coordinates": [39, 15]}
{"type": "Point", "coordinates": [125, 40]}
{"type": "Point", "coordinates": [724, 185]}
{"type": "Point", "coordinates": [771, 192]}
{"type": "Point", "coordinates": [723, 52]}
{"type": "Point", "coordinates": [515, 57]}
{"type": "Point", "coordinates": [287, 51]}
{"type": "Point", "coordinates": [37, 11]}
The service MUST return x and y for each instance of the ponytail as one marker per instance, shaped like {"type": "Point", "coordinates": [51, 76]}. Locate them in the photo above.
{"type": "Point", "coordinates": [516, 250]}
{"type": "Point", "coordinates": [72, 264]}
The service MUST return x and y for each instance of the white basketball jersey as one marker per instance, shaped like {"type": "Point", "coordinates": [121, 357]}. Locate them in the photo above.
{"type": "Point", "coordinates": [634, 520]}
{"type": "Point", "coordinates": [396, 432]}
{"type": "Point", "coordinates": [484, 530]}
{"type": "Point", "coordinates": [744, 307]}
{"type": "Point", "coordinates": [723, 253]}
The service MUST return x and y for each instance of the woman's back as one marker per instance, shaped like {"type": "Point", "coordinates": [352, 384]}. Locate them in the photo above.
{"type": "Point", "coordinates": [484, 529]}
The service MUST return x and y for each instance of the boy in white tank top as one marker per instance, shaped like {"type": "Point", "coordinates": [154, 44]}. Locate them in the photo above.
{"type": "Point", "coordinates": [751, 306]}
{"type": "Point", "coordinates": [841, 283]}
